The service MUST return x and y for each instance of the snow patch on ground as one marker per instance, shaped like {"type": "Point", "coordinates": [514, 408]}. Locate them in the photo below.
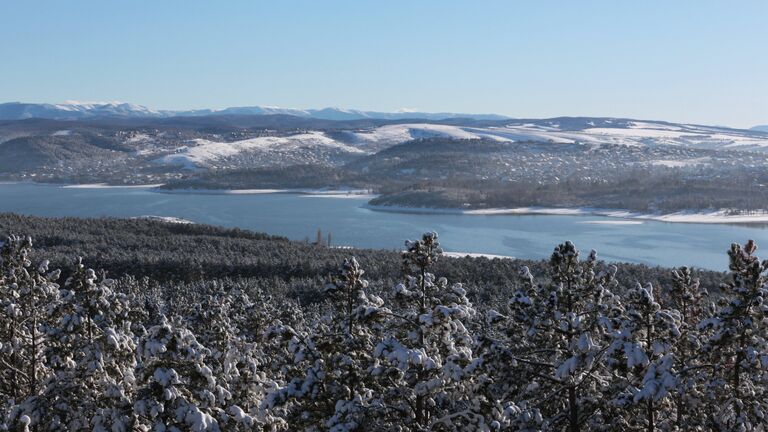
{"type": "Point", "coordinates": [527, 133]}
{"type": "Point", "coordinates": [650, 125]}
{"type": "Point", "coordinates": [168, 219]}
{"type": "Point", "coordinates": [400, 133]}
{"type": "Point", "coordinates": [670, 163]}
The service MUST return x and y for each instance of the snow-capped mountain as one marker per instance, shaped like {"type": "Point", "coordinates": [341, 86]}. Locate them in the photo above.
{"type": "Point", "coordinates": [73, 110]}
{"type": "Point", "coordinates": [350, 114]}
{"type": "Point", "coordinates": [761, 128]}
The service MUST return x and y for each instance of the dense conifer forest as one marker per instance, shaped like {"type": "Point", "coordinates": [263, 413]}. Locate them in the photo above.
{"type": "Point", "coordinates": [140, 325]}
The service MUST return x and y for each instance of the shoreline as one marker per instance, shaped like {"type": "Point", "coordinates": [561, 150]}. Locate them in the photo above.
{"type": "Point", "coordinates": [686, 216]}
{"type": "Point", "coordinates": [622, 216]}
{"type": "Point", "coordinates": [109, 186]}
{"type": "Point", "coordinates": [321, 193]}
{"type": "Point", "coordinates": [82, 185]}
{"type": "Point", "coordinates": [156, 187]}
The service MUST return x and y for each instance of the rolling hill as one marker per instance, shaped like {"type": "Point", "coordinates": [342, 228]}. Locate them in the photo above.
{"type": "Point", "coordinates": [458, 160]}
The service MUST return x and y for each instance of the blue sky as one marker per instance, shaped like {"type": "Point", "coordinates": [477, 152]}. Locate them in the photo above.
{"type": "Point", "coordinates": [693, 61]}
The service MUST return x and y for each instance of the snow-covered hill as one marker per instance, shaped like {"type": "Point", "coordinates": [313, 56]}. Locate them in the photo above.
{"type": "Point", "coordinates": [559, 130]}
{"type": "Point", "coordinates": [556, 130]}
{"type": "Point", "coordinates": [205, 153]}
{"type": "Point", "coordinates": [202, 153]}
{"type": "Point", "coordinates": [396, 134]}
{"type": "Point", "coordinates": [634, 133]}
{"type": "Point", "coordinates": [589, 131]}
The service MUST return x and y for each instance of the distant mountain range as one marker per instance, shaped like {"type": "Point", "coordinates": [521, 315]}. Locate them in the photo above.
{"type": "Point", "coordinates": [73, 110]}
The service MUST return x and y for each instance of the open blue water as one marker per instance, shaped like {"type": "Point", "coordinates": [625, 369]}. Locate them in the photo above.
{"type": "Point", "coordinates": [299, 217]}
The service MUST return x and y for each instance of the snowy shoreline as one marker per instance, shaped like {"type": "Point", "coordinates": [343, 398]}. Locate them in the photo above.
{"type": "Point", "coordinates": [83, 185]}
{"type": "Point", "coordinates": [690, 216]}
{"type": "Point", "coordinates": [109, 186]}
{"type": "Point", "coordinates": [323, 193]}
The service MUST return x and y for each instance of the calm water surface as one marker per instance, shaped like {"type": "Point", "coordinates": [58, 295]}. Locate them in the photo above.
{"type": "Point", "coordinates": [299, 217]}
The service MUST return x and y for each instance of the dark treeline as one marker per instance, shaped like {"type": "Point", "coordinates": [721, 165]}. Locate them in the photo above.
{"type": "Point", "coordinates": [172, 252]}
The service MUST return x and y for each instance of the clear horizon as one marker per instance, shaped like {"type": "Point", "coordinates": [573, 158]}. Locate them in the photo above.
{"type": "Point", "coordinates": [691, 61]}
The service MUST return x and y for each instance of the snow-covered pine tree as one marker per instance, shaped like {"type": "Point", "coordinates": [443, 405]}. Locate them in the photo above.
{"type": "Point", "coordinates": [247, 380]}
{"type": "Point", "coordinates": [688, 297]}
{"type": "Point", "coordinates": [355, 332]}
{"type": "Point", "coordinates": [176, 389]}
{"type": "Point", "coordinates": [737, 344]}
{"type": "Point", "coordinates": [29, 297]}
{"type": "Point", "coordinates": [208, 317]}
{"type": "Point", "coordinates": [566, 324]}
{"type": "Point", "coordinates": [496, 371]}
{"type": "Point", "coordinates": [91, 357]}
{"type": "Point", "coordinates": [229, 323]}
{"type": "Point", "coordinates": [13, 259]}
{"type": "Point", "coordinates": [642, 355]}
{"type": "Point", "coordinates": [428, 347]}
{"type": "Point", "coordinates": [328, 383]}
